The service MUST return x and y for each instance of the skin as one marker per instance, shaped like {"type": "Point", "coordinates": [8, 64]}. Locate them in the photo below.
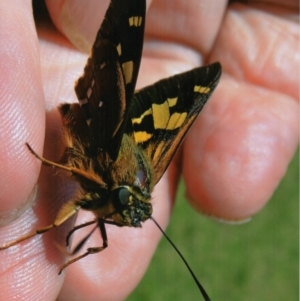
{"type": "Point", "coordinates": [232, 160]}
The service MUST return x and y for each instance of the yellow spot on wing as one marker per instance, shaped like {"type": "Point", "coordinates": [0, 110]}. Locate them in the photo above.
{"type": "Point", "coordinates": [135, 21]}
{"type": "Point", "coordinates": [119, 49]}
{"type": "Point", "coordinates": [161, 115]}
{"type": "Point", "coordinates": [140, 119]}
{"type": "Point", "coordinates": [127, 70]}
{"type": "Point", "coordinates": [172, 101]}
{"type": "Point", "coordinates": [202, 89]}
{"type": "Point", "coordinates": [141, 136]}
{"type": "Point", "coordinates": [176, 120]}
{"type": "Point", "coordinates": [158, 148]}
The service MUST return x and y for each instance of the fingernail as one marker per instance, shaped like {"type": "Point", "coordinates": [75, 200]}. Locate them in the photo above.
{"type": "Point", "coordinates": [228, 221]}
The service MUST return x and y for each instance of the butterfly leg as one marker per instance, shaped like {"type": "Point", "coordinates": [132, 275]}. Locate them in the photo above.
{"type": "Point", "coordinates": [89, 251]}
{"type": "Point", "coordinates": [65, 213]}
{"type": "Point", "coordinates": [25, 237]}
{"type": "Point", "coordinates": [77, 228]}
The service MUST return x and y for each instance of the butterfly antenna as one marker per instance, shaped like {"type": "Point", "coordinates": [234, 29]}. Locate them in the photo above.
{"type": "Point", "coordinates": [201, 288]}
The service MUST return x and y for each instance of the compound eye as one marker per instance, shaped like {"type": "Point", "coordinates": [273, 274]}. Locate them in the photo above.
{"type": "Point", "coordinates": [124, 195]}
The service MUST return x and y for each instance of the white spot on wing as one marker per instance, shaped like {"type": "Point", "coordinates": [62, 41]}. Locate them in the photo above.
{"type": "Point", "coordinates": [82, 101]}
{"type": "Point", "coordinates": [89, 92]}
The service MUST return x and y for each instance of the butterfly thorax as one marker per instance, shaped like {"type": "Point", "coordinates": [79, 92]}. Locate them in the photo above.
{"type": "Point", "coordinates": [120, 190]}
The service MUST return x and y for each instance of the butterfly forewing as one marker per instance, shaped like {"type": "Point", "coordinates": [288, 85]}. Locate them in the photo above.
{"type": "Point", "coordinates": [106, 87]}
{"type": "Point", "coordinates": [161, 114]}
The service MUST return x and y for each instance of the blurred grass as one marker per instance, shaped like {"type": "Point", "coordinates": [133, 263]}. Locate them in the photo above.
{"type": "Point", "coordinates": [252, 261]}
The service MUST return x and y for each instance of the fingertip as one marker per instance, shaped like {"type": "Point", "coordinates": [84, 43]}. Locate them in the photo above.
{"type": "Point", "coordinates": [239, 150]}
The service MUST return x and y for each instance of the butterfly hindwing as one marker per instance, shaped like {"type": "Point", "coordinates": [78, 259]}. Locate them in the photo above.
{"type": "Point", "coordinates": [161, 114]}
{"type": "Point", "coordinates": [107, 85]}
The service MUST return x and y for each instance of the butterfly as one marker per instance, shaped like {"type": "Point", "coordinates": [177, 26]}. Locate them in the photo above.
{"type": "Point", "coordinates": [118, 142]}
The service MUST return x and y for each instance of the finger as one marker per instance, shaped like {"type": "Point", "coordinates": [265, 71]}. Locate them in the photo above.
{"type": "Point", "coordinates": [239, 150]}
{"type": "Point", "coordinates": [22, 110]}
{"type": "Point", "coordinates": [179, 36]}
{"type": "Point", "coordinates": [242, 144]}
{"type": "Point", "coordinates": [192, 24]}
{"type": "Point", "coordinates": [251, 52]}
{"type": "Point", "coordinates": [22, 120]}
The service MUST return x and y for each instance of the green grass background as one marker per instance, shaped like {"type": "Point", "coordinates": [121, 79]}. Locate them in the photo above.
{"type": "Point", "coordinates": [252, 261]}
